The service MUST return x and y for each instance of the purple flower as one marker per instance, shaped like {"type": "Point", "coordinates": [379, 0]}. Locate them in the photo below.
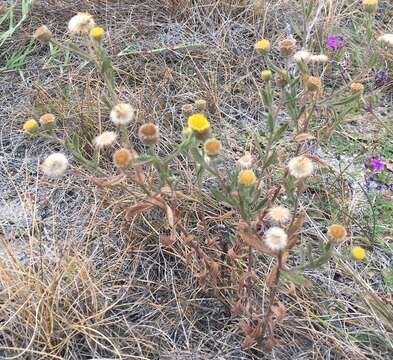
{"type": "Point", "coordinates": [377, 164]}
{"type": "Point", "coordinates": [334, 42]}
{"type": "Point", "coordinates": [381, 77]}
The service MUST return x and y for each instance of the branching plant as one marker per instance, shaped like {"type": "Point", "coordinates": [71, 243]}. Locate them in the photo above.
{"type": "Point", "coordinates": [262, 192]}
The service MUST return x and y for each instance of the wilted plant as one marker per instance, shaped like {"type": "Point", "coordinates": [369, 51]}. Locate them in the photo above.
{"type": "Point", "coordinates": [263, 190]}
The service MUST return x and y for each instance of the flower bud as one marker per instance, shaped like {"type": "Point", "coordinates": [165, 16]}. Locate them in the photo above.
{"type": "Point", "coordinates": [266, 75]}
{"type": "Point", "coordinates": [149, 134]}
{"type": "Point", "coordinates": [262, 46]}
{"type": "Point", "coordinates": [43, 34]}
{"type": "Point", "coordinates": [200, 105]}
{"type": "Point", "coordinates": [287, 46]}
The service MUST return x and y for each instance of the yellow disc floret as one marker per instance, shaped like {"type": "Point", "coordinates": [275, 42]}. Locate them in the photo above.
{"type": "Point", "coordinates": [198, 123]}
{"type": "Point", "coordinates": [262, 46]}
{"type": "Point", "coordinates": [358, 253]}
{"type": "Point", "coordinates": [30, 126]}
{"type": "Point", "coordinates": [247, 177]}
{"type": "Point", "coordinates": [97, 33]}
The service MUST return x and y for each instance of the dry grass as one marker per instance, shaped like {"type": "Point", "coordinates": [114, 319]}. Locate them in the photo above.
{"type": "Point", "coordinates": [77, 281]}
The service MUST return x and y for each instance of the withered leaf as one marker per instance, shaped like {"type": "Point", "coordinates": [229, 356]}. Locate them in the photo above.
{"type": "Point", "coordinates": [279, 310]}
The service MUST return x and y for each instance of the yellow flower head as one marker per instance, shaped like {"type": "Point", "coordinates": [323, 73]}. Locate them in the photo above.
{"type": "Point", "coordinates": [30, 126]}
{"type": "Point", "coordinates": [263, 46]}
{"type": "Point", "coordinates": [212, 147]}
{"type": "Point", "coordinates": [198, 123]}
{"type": "Point", "coordinates": [266, 75]}
{"type": "Point", "coordinates": [97, 33]}
{"type": "Point", "coordinates": [358, 253]}
{"type": "Point", "coordinates": [357, 87]}
{"type": "Point", "coordinates": [370, 5]}
{"type": "Point", "coordinates": [337, 232]}
{"type": "Point", "coordinates": [247, 177]}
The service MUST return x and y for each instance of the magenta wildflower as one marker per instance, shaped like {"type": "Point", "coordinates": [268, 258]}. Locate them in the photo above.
{"type": "Point", "coordinates": [377, 164]}
{"type": "Point", "coordinates": [334, 42]}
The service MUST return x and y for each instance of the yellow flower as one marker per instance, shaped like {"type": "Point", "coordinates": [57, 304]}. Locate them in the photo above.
{"type": "Point", "coordinates": [247, 177]}
{"type": "Point", "coordinates": [266, 75]}
{"type": "Point", "coordinates": [212, 147]}
{"type": "Point", "coordinates": [97, 33]}
{"type": "Point", "coordinates": [30, 126]}
{"type": "Point", "coordinates": [337, 232]}
{"type": "Point", "coordinates": [357, 87]}
{"type": "Point", "coordinates": [358, 253]}
{"type": "Point", "coordinates": [370, 5]}
{"type": "Point", "coordinates": [263, 46]}
{"type": "Point", "coordinates": [198, 123]}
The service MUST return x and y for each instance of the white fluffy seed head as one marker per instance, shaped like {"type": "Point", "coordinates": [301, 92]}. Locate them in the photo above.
{"type": "Point", "coordinates": [55, 165]}
{"type": "Point", "coordinates": [276, 239]}
{"type": "Point", "coordinates": [279, 214]}
{"type": "Point", "coordinates": [105, 139]}
{"type": "Point", "coordinates": [122, 114]}
{"type": "Point", "coordinates": [319, 59]}
{"type": "Point", "coordinates": [246, 161]}
{"type": "Point", "coordinates": [300, 167]}
{"type": "Point", "coordinates": [386, 39]}
{"type": "Point", "coordinates": [302, 57]}
{"type": "Point", "coordinates": [81, 23]}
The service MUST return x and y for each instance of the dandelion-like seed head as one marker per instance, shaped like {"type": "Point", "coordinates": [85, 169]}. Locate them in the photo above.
{"type": "Point", "coordinates": [276, 239]}
{"type": "Point", "coordinates": [55, 165]}
{"type": "Point", "coordinates": [247, 178]}
{"type": "Point", "coordinates": [370, 5]}
{"type": "Point", "coordinates": [149, 134]}
{"type": "Point", "coordinates": [313, 83]}
{"type": "Point", "coordinates": [279, 214]}
{"type": "Point", "coordinates": [319, 59]}
{"type": "Point", "coordinates": [337, 232]}
{"type": "Point", "coordinates": [287, 46]}
{"type": "Point", "coordinates": [123, 157]}
{"type": "Point", "coordinates": [47, 120]}
{"type": "Point", "coordinates": [97, 33]}
{"type": "Point", "coordinates": [300, 167]}
{"type": "Point", "coordinates": [262, 46]}
{"type": "Point", "coordinates": [107, 138]}
{"type": "Point", "coordinates": [30, 126]}
{"type": "Point", "coordinates": [43, 34]}
{"type": "Point", "coordinates": [246, 161]}
{"type": "Point", "coordinates": [357, 87]}
{"type": "Point", "coordinates": [200, 105]}
{"type": "Point", "coordinates": [81, 23]}
{"type": "Point", "coordinates": [122, 114]}
{"type": "Point", "coordinates": [358, 253]}
{"type": "Point", "coordinates": [302, 57]}
{"type": "Point", "coordinates": [266, 75]}
{"type": "Point", "coordinates": [386, 39]}
{"type": "Point", "coordinates": [212, 147]}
